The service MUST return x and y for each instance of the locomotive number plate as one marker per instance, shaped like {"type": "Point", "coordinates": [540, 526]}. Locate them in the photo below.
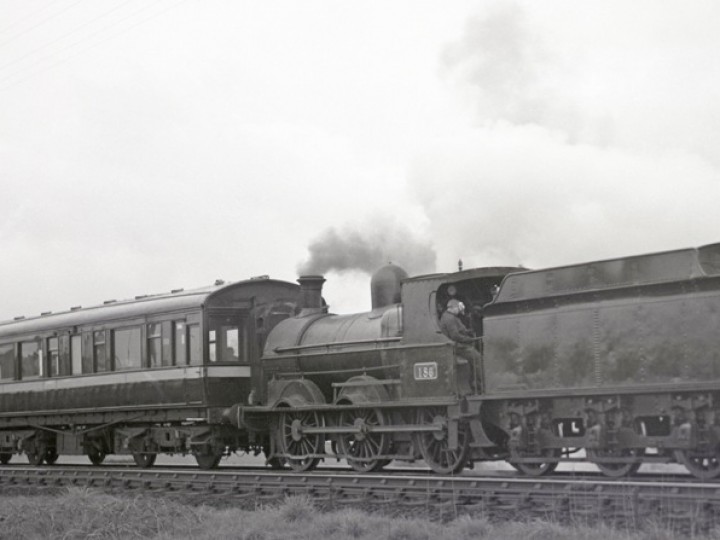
{"type": "Point", "coordinates": [425, 371]}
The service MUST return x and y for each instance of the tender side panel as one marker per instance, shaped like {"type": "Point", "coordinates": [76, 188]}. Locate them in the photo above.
{"type": "Point", "coordinates": [657, 334]}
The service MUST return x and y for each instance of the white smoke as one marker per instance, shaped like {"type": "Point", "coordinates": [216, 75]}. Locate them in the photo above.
{"type": "Point", "coordinates": [543, 177]}
{"type": "Point", "coordinates": [367, 247]}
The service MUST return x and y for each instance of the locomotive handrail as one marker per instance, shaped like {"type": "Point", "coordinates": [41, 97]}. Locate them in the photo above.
{"type": "Point", "coordinates": [336, 344]}
{"type": "Point", "coordinates": [295, 374]}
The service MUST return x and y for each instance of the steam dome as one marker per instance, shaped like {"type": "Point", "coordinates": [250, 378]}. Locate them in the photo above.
{"type": "Point", "coordinates": [385, 286]}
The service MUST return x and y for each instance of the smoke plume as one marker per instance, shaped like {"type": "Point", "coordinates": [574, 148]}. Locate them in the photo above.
{"type": "Point", "coordinates": [367, 248]}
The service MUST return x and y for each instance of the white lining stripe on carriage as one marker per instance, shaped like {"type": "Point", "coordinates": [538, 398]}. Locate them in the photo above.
{"type": "Point", "coordinates": [119, 377]}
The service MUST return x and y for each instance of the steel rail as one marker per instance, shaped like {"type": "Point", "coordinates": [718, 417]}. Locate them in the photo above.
{"type": "Point", "coordinates": [686, 506]}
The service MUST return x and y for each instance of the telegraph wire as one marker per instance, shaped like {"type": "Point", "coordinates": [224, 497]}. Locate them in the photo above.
{"type": "Point", "coordinates": [27, 16]}
{"type": "Point", "coordinates": [4, 80]}
{"type": "Point", "coordinates": [74, 30]}
{"type": "Point", "coordinates": [40, 23]}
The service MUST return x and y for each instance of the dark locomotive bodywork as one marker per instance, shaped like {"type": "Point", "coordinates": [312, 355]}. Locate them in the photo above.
{"type": "Point", "coordinates": [616, 359]}
{"type": "Point", "coordinates": [144, 376]}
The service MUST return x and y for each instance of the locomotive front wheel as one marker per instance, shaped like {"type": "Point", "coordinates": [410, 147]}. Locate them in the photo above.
{"type": "Point", "coordinates": [5, 457]}
{"type": "Point", "coordinates": [364, 447]}
{"type": "Point", "coordinates": [615, 470]}
{"type": "Point", "coordinates": [434, 445]}
{"type": "Point", "coordinates": [295, 442]}
{"type": "Point", "coordinates": [144, 460]}
{"type": "Point", "coordinates": [703, 465]}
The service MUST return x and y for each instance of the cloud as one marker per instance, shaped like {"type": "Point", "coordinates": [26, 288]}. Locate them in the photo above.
{"type": "Point", "coordinates": [524, 195]}
{"type": "Point", "coordinates": [555, 170]}
{"type": "Point", "coordinates": [504, 66]}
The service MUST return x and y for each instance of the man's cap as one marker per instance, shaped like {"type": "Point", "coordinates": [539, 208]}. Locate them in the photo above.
{"type": "Point", "coordinates": [453, 303]}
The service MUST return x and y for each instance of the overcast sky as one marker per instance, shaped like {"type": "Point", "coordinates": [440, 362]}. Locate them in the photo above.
{"type": "Point", "coordinates": [151, 145]}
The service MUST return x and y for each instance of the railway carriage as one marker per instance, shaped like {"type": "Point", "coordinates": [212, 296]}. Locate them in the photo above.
{"type": "Point", "coordinates": [144, 376]}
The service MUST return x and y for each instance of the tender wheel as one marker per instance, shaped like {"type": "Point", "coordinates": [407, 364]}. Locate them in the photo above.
{"type": "Point", "coordinates": [5, 457]}
{"type": "Point", "coordinates": [364, 446]}
{"type": "Point", "coordinates": [144, 460]}
{"type": "Point", "coordinates": [51, 456]}
{"type": "Point", "coordinates": [96, 455]}
{"type": "Point", "coordinates": [295, 442]}
{"type": "Point", "coordinates": [703, 465]}
{"type": "Point", "coordinates": [616, 470]}
{"type": "Point", "coordinates": [540, 468]}
{"type": "Point", "coordinates": [434, 446]}
{"type": "Point", "coordinates": [207, 457]}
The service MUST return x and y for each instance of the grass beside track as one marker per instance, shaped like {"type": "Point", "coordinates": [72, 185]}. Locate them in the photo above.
{"type": "Point", "coordinates": [78, 513]}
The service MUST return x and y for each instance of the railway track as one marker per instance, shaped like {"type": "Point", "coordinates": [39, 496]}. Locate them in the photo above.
{"type": "Point", "coordinates": [678, 504]}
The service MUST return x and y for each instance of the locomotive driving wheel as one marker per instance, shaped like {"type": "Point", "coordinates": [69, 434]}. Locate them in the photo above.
{"type": "Point", "coordinates": [434, 445]}
{"type": "Point", "coordinates": [363, 447]}
{"type": "Point", "coordinates": [294, 441]}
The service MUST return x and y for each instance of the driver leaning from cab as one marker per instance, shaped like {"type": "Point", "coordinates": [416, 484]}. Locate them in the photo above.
{"type": "Point", "coordinates": [453, 327]}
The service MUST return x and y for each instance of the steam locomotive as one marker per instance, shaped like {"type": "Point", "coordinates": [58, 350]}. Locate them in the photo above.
{"type": "Point", "coordinates": [614, 362]}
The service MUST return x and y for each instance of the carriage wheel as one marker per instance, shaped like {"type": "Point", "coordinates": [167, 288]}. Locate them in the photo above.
{"type": "Point", "coordinates": [36, 453]}
{"type": "Point", "coordinates": [703, 465]}
{"type": "Point", "coordinates": [295, 442]}
{"type": "Point", "coordinates": [539, 468]}
{"type": "Point", "coordinates": [207, 456]}
{"type": "Point", "coordinates": [5, 457]}
{"type": "Point", "coordinates": [51, 456]}
{"type": "Point", "coordinates": [364, 447]}
{"type": "Point", "coordinates": [96, 455]}
{"type": "Point", "coordinates": [616, 470]}
{"type": "Point", "coordinates": [144, 460]}
{"type": "Point", "coordinates": [434, 445]}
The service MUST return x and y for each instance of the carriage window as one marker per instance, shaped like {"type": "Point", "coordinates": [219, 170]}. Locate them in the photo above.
{"type": "Point", "coordinates": [127, 349]}
{"type": "Point", "coordinates": [226, 338]}
{"type": "Point", "coordinates": [7, 361]}
{"type": "Point", "coordinates": [212, 345]}
{"type": "Point", "coordinates": [76, 354]}
{"type": "Point", "coordinates": [194, 349]}
{"type": "Point", "coordinates": [180, 343]}
{"type": "Point", "coordinates": [101, 357]}
{"type": "Point", "coordinates": [31, 360]}
{"type": "Point", "coordinates": [155, 345]}
{"type": "Point", "coordinates": [53, 356]}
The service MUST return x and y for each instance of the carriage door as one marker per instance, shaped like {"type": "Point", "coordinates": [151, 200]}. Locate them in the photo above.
{"type": "Point", "coordinates": [230, 350]}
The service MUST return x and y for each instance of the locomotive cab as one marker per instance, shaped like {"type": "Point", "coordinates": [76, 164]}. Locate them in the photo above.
{"type": "Point", "coordinates": [424, 299]}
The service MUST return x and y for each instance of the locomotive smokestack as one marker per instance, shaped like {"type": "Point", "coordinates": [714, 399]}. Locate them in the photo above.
{"type": "Point", "coordinates": [311, 292]}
